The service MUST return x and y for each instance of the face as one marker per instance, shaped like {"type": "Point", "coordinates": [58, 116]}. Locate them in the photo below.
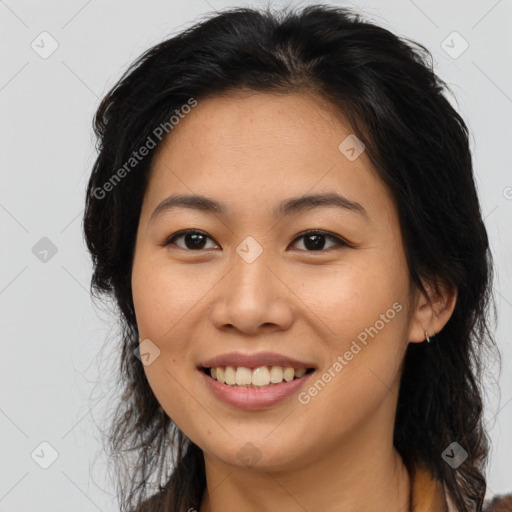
{"type": "Point", "coordinates": [269, 280]}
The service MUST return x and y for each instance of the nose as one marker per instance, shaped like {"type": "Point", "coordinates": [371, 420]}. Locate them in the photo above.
{"type": "Point", "coordinates": [252, 298]}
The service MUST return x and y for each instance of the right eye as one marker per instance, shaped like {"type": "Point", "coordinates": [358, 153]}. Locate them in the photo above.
{"type": "Point", "coordinates": [193, 239]}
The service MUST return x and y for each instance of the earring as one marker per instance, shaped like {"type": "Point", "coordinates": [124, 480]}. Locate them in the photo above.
{"type": "Point", "coordinates": [427, 337]}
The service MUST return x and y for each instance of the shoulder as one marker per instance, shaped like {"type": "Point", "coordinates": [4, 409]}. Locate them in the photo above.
{"type": "Point", "coordinates": [500, 503]}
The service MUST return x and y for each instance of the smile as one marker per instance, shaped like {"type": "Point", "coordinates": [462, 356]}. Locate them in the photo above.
{"type": "Point", "coordinates": [249, 396]}
{"type": "Point", "coordinates": [255, 378]}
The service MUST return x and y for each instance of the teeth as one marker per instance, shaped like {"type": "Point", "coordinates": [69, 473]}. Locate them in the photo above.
{"type": "Point", "coordinates": [229, 376]}
{"type": "Point", "coordinates": [276, 374]}
{"type": "Point", "coordinates": [288, 374]}
{"type": "Point", "coordinates": [300, 372]}
{"type": "Point", "coordinates": [262, 376]}
{"type": "Point", "coordinates": [243, 376]}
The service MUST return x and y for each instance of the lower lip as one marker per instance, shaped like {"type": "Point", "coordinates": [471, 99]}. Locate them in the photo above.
{"type": "Point", "coordinates": [253, 398]}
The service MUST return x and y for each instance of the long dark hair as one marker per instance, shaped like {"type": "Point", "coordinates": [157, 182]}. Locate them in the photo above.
{"type": "Point", "coordinates": [419, 145]}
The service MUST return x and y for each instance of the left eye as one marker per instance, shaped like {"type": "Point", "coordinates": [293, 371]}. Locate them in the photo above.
{"type": "Point", "coordinates": [313, 240]}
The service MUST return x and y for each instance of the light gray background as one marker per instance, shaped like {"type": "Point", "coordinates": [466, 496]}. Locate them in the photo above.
{"type": "Point", "coordinates": [52, 335]}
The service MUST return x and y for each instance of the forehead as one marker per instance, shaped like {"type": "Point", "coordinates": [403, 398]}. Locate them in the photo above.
{"type": "Point", "coordinates": [255, 148]}
{"type": "Point", "coordinates": [249, 120]}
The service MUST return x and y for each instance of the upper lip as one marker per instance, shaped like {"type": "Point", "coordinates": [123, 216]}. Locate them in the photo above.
{"type": "Point", "coordinates": [255, 360]}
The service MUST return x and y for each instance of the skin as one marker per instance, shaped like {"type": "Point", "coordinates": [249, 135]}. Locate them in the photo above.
{"type": "Point", "coordinates": [252, 150]}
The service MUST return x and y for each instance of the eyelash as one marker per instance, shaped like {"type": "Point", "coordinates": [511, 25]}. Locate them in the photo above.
{"type": "Point", "coordinates": [340, 242]}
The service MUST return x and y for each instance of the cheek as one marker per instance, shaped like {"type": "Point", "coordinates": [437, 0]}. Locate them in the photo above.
{"type": "Point", "coordinates": [163, 296]}
{"type": "Point", "coordinates": [166, 299]}
{"type": "Point", "coordinates": [352, 297]}
{"type": "Point", "coordinates": [365, 306]}
{"type": "Point", "coordinates": [367, 313]}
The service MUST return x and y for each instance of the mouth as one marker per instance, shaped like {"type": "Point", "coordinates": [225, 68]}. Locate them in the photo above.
{"type": "Point", "coordinates": [255, 381]}
{"type": "Point", "coordinates": [260, 377]}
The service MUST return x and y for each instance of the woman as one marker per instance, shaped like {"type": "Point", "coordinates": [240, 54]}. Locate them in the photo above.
{"type": "Point", "coordinates": [284, 208]}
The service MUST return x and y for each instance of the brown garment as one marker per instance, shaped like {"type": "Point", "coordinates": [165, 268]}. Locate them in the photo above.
{"type": "Point", "coordinates": [429, 495]}
{"type": "Point", "coordinates": [500, 504]}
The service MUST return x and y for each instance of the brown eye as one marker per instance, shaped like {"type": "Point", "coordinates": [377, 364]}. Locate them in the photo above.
{"type": "Point", "coordinates": [192, 238]}
{"type": "Point", "coordinates": [316, 240]}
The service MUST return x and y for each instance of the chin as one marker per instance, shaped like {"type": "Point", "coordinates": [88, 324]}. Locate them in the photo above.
{"type": "Point", "coordinates": [256, 454]}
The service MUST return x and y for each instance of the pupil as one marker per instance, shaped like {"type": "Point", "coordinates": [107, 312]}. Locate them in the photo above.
{"type": "Point", "coordinates": [318, 241]}
{"type": "Point", "coordinates": [197, 240]}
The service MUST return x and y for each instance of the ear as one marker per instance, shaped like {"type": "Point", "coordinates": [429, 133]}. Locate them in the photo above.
{"type": "Point", "coordinates": [434, 316]}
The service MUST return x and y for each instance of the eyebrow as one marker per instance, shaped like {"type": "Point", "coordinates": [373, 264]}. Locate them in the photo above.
{"type": "Point", "coordinates": [287, 207]}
